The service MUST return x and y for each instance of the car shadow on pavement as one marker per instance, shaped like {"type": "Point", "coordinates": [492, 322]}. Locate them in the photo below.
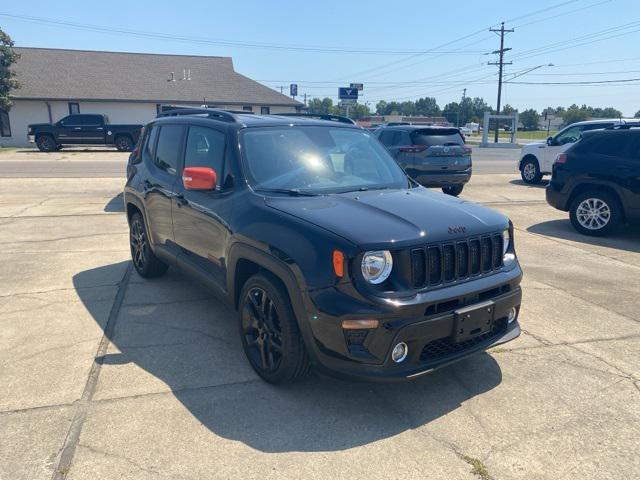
{"type": "Point", "coordinates": [542, 184]}
{"type": "Point", "coordinates": [176, 331]}
{"type": "Point", "coordinates": [115, 205]}
{"type": "Point", "coordinates": [624, 238]}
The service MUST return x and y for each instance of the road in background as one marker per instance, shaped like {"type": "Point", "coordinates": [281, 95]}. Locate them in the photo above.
{"type": "Point", "coordinates": [84, 163]}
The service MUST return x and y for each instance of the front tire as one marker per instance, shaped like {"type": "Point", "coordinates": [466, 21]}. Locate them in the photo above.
{"type": "Point", "coordinates": [46, 143]}
{"type": "Point", "coordinates": [124, 144]}
{"type": "Point", "coordinates": [144, 260]}
{"type": "Point", "coordinates": [595, 213]}
{"type": "Point", "coordinates": [269, 332]}
{"type": "Point", "coordinates": [530, 172]}
{"type": "Point", "coordinates": [453, 190]}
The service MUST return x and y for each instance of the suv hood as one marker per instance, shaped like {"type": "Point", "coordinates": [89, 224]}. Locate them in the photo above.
{"type": "Point", "coordinates": [533, 146]}
{"type": "Point", "coordinates": [393, 218]}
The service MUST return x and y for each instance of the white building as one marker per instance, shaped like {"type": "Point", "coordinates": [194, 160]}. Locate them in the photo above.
{"type": "Point", "coordinates": [127, 87]}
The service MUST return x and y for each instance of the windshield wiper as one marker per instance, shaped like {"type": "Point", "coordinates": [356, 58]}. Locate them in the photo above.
{"type": "Point", "coordinates": [295, 192]}
{"type": "Point", "coordinates": [363, 189]}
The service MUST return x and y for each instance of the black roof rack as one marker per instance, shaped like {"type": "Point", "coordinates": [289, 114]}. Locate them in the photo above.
{"type": "Point", "coordinates": [625, 125]}
{"type": "Point", "coordinates": [208, 112]}
{"type": "Point", "coordinates": [320, 116]}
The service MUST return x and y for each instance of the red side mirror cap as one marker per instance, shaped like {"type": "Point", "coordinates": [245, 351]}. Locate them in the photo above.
{"type": "Point", "coordinates": [199, 178]}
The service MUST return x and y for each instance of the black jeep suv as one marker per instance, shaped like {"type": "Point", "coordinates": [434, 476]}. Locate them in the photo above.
{"type": "Point", "coordinates": [597, 180]}
{"type": "Point", "coordinates": [332, 256]}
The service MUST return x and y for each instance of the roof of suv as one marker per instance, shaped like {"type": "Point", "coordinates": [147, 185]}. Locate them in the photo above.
{"type": "Point", "coordinates": [251, 120]}
{"type": "Point", "coordinates": [416, 127]}
{"type": "Point", "coordinates": [602, 120]}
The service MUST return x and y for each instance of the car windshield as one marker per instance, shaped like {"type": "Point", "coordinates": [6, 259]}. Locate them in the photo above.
{"type": "Point", "coordinates": [318, 159]}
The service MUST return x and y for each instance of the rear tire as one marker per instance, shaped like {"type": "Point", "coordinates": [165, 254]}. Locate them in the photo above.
{"type": "Point", "coordinates": [269, 331]}
{"type": "Point", "coordinates": [124, 143]}
{"type": "Point", "coordinates": [453, 190]}
{"type": "Point", "coordinates": [46, 143]}
{"type": "Point", "coordinates": [530, 172]}
{"type": "Point", "coordinates": [144, 260]}
{"type": "Point", "coordinates": [595, 213]}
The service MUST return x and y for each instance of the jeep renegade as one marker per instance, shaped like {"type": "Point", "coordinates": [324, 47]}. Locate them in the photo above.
{"type": "Point", "coordinates": [331, 255]}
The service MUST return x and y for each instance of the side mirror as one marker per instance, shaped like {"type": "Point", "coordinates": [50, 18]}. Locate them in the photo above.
{"type": "Point", "coordinates": [199, 178]}
{"type": "Point", "coordinates": [550, 141]}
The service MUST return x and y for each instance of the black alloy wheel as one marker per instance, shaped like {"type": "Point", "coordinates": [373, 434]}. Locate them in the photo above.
{"type": "Point", "coordinates": [124, 144]}
{"type": "Point", "coordinates": [269, 331]}
{"type": "Point", "coordinates": [144, 260]}
{"type": "Point", "coordinates": [46, 143]}
{"type": "Point", "coordinates": [261, 331]}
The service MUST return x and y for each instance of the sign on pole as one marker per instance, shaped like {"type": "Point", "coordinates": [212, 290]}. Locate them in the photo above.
{"type": "Point", "coordinates": [293, 89]}
{"type": "Point", "coordinates": [357, 86]}
{"type": "Point", "coordinates": [347, 93]}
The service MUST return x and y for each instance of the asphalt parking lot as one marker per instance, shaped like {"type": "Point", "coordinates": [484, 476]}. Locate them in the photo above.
{"type": "Point", "coordinates": [107, 375]}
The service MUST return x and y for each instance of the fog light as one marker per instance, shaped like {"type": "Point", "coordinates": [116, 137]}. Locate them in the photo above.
{"type": "Point", "coordinates": [511, 316]}
{"type": "Point", "coordinates": [399, 352]}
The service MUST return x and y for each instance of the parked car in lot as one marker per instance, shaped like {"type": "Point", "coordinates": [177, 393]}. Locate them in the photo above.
{"type": "Point", "coordinates": [597, 180]}
{"type": "Point", "coordinates": [465, 131]}
{"type": "Point", "coordinates": [332, 256]}
{"type": "Point", "coordinates": [83, 129]}
{"type": "Point", "coordinates": [433, 156]}
{"type": "Point", "coordinates": [536, 159]}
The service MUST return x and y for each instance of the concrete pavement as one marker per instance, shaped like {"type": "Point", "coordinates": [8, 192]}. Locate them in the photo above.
{"type": "Point", "coordinates": [107, 375]}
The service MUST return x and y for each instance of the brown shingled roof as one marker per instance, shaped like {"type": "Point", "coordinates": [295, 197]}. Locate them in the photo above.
{"type": "Point", "coordinates": [52, 74]}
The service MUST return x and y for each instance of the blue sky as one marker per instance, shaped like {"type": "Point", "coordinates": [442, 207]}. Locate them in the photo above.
{"type": "Point", "coordinates": [386, 42]}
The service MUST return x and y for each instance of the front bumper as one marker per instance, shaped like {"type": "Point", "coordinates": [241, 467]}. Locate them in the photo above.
{"type": "Point", "coordinates": [31, 138]}
{"type": "Point", "coordinates": [426, 327]}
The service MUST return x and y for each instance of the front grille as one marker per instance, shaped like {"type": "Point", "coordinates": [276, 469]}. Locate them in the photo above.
{"type": "Point", "coordinates": [446, 347]}
{"type": "Point", "coordinates": [447, 262]}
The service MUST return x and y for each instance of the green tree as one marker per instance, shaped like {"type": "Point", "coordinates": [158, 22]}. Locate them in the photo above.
{"type": "Point", "coordinates": [381, 107]}
{"type": "Point", "coordinates": [575, 114]}
{"type": "Point", "coordinates": [508, 110]}
{"type": "Point", "coordinates": [530, 119]}
{"type": "Point", "coordinates": [428, 107]}
{"type": "Point", "coordinates": [637, 115]}
{"type": "Point", "coordinates": [7, 76]}
{"type": "Point", "coordinates": [324, 105]}
{"type": "Point", "coordinates": [451, 112]}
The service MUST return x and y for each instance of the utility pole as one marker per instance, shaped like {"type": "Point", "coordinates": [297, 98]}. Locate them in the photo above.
{"type": "Point", "coordinates": [464, 95]}
{"type": "Point", "coordinates": [281, 89]}
{"type": "Point", "coordinates": [305, 99]}
{"type": "Point", "coordinates": [500, 63]}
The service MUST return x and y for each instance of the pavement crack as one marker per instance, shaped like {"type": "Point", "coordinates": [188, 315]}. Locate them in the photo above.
{"type": "Point", "coordinates": [70, 444]}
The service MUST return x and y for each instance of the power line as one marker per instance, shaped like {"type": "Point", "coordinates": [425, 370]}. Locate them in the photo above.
{"type": "Point", "coordinates": [590, 82]}
{"type": "Point", "coordinates": [210, 41]}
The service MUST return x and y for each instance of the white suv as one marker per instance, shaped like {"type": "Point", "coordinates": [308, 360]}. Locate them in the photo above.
{"type": "Point", "coordinates": [536, 159]}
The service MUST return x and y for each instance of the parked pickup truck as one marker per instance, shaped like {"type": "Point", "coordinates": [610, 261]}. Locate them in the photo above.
{"type": "Point", "coordinates": [83, 129]}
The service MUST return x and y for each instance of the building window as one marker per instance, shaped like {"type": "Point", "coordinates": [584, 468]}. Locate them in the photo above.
{"type": "Point", "coordinates": [247, 108]}
{"type": "Point", "coordinates": [74, 108]}
{"type": "Point", "coordinates": [5, 126]}
{"type": "Point", "coordinates": [265, 110]}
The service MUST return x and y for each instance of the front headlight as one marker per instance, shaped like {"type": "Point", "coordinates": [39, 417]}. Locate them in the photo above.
{"type": "Point", "coordinates": [507, 252]}
{"type": "Point", "coordinates": [376, 266]}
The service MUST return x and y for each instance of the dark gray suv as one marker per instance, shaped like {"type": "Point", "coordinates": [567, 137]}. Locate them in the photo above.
{"type": "Point", "coordinates": [433, 156]}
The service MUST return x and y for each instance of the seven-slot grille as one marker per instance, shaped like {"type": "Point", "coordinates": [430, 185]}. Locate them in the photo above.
{"type": "Point", "coordinates": [450, 261]}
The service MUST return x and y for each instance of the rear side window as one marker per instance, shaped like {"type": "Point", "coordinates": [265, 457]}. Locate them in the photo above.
{"type": "Point", "coordinates": [386, 137]}
{"type": "Point", "coordinates": [205, 148]}
{"type": "Point", "coordinates": [149, 144]}
{"type": "Point", "coordinates": [439, 136]}
{"type": "Point", "coordinates": [91, 120]}
{"type": "Point", "coordinates": [616, 145]}
{"type": "Point", "coordinates": [167, 155]}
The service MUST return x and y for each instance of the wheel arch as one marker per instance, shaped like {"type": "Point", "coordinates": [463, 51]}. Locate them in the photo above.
{"type": "Point", "coordinates": [529, 156]}
{"type": "Point", "coordinates": [245, 260]}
